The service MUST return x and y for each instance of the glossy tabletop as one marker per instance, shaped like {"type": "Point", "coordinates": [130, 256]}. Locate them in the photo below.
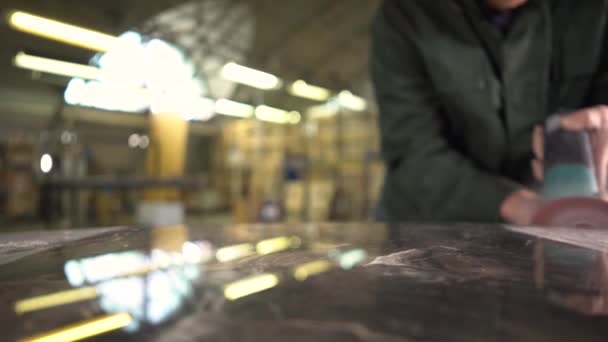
{"type": "Point", "coordinates": [343, 282]}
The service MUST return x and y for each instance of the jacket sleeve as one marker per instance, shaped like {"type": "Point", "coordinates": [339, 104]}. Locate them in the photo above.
{"type": "Point", "coordinates": [598, 94]}
{"type": "Point", "coordinates": [428, 175]}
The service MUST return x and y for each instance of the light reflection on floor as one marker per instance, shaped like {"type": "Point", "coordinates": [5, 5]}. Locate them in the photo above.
{"type": "Point", "coordinates": [153, 287]}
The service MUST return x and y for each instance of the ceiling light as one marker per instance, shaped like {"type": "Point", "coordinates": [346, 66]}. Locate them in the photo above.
{"type": "Point", "coordinates": [134, 140]}
{"type": "Point", "coordinates": [56, 67]}
{"type": "Point", "coordinates": [322, 111]}
{"type": "Point", "coordinates": [232, 108]}
{"type": "Point", "coordinates": [199, 109]}
{"type": "Point", "coordinates": [305, 90]}
{"type": "Point", "coordinates": [144, 142]}
{"type": "Point", "coordinates": [167, 69]}
{"type": "Point", "coordinates": [294, 117]}
{"type": "Point", "coordinates": [65, 33]}
{"type": "Point", "coordinates": [67, 137]}
{"type": "Point", "coordinates": [251, 77]}
{"type": "Point", "coordinates": [191, 108]}
{"type": "Point", "coordinates": [125, 65]}
{"type": "Point", "coordinates": [107, 97]}
{"type": "Point", "coordinates": [350, 101]}
{"type": "Point", "coordinates": [276, 115]}
{"type": "Point", "coordinates": [139, 141]}
{"type": "Point", "coordinates": [46, 163]}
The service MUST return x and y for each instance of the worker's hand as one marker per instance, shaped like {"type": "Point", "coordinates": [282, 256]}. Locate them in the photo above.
{"type": "Point", "coordinates": [520, 207]}
{"type": "Point", "coordinates": [593, 303]}
{"type": "Point", "coordinates": [538, 148]}
{"type": "Point", "coordinates": [595, 121]}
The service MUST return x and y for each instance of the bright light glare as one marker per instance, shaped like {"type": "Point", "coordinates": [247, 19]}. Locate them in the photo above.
{"type": "Point", "coordinates": [79, 331]}
{"type": "Point", "coordinates": [144, 142]}
{"type": "Point", "coordinates": [46, 163]}
{"type": "Point", "coordinates": [160, 258]}
{"type": "Point", "coordinates": [350, 259]}
{"type": "Point", "coordinates": [251, 77]}
{"type": "Point", "coordinates": [267, 113]}
{"type": "Point", "coordinates": [55, 67]}
{"type": "Point", "coordinates": [249, 286]}
{"type": "Point", "coordinates": [322, 111]}
{"type": "Point", "coordinates": [74, 273]}
{"type": "Point", "coordinates": [276, 115]}
{"type": "Point", "coordinates": [192, 252]}
{"type": "Point", "coordinates": [164, 297]}
{"type": "Point", "coordinates": [303, 272]}
{"type": "Point", "coordinates": [55, 299]}
{"type": "Point", "coordinates": [138, 75]}
{"type": "Point", "coordinates": [74, 90]}
{"type": "Point", "coordinates": [167, 70]}
{"type": "Point", "coordinates": [294, 117]}
{"type": "Point", "coordinates": [231, 253]}
{"type": "Point", "coordinates": [134, 140]}
{"type": "Point", "coordinates": [150, 287]}
{"type": "Point", "coordinates": [232, 108]}
{"type": "Point", "coordinates": [62, 32]}
{"type": "Point", "coordinates": [103, 267]}
{"type": "Point", "coordinates": [195, 252]}
{"type": "Point", "coordinates": [123, 295]}
{"type": "Point", "coordinates": [350, 101]}
{"type": "Point", "coordinates": [108, 97]}
{"type": "Point", "coordinates": [123, 66]}
{"type": "Point", "coordinates": [199, 109]}
{"type": "Point", "coordinates": [302, 89]}
{"type": "Point", "coordinates": [273, 245]}
{"type": "Point", "coordinates": [67, 137]}
{"type": "Point", "coordinates": [192, 108]}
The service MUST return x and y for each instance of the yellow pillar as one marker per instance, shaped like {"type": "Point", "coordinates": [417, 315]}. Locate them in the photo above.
{"type": "Point", "coordinates": [169, 238]}
{"type": "Point", "coordinates": [166, 158]}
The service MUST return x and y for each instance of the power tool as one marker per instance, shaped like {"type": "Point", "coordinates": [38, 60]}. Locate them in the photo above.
{"type": "Point", "coordinates": [572, 276]}
{"type": "Point", "coordinates": [570, 191]}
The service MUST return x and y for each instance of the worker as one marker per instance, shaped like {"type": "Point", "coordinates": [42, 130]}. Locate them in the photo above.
{"type": "Point", "coordinates": [461, 86]}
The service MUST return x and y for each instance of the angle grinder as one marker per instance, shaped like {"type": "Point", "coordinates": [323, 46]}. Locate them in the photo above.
{"type": "Point", "coordinates": [570, 191]}
{"type": "Point", "coordinates": [572, 277]}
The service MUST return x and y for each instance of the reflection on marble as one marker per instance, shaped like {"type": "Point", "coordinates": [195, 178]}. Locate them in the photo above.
{"type": "Point", "coordinates": [139, 288]}
{"type": "Point", "coordinates": [16, 245]}
{"type": "Point", "coordinates": [350, 282]}
{"type": "Point", "coordinates": [573, 277]}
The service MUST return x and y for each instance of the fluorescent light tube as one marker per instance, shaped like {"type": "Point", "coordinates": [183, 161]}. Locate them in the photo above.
{"type": "Point", "coordinates": [251, 77]}
{"type": "Point", "coordinates": [302, 89]}
{"type": "Point", "coordinates": [62, 32]}
{"type": "Point", "coordinates": [57, 67]}
{"type": "Point", "coordinates": [232, 108]}
{"type": "Point", "coordinates": [350, 101]}
{"type": "Point", "coordinates": [276, 115]}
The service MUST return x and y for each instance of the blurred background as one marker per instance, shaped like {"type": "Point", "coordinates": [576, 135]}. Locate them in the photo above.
{"type": "Point", "coordinates": [167, 111]}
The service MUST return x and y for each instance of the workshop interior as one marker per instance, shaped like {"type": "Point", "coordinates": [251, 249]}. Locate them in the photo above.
{"type": "Point", "coordinates": [218, 111]}
{"type": "Point", "coordinates": [213, 170]}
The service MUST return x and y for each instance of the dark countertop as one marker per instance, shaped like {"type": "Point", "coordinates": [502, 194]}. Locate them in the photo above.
{"type": "Point", "coordinates": [414, 282]}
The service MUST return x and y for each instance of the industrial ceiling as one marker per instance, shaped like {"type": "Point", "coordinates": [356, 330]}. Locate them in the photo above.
{"type": "Point", "coordinates": [324, 42]}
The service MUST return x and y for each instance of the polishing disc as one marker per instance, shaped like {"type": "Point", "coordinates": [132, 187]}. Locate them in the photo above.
{"type": "Point", "coordinates": [577, 212]}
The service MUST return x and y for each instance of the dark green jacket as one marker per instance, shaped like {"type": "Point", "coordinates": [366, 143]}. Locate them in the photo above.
{"type": "Point", "coordinates": [458, 99]}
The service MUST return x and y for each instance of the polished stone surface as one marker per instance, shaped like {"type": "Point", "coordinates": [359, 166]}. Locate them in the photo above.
{"type": "Point", "coordinates": [417, 282]}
